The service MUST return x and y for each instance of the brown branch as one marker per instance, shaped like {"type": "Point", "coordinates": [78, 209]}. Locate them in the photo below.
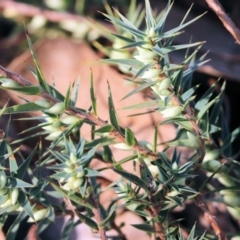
{"type": "Point", "coordinates": [31, 11]}
{"type": "Point", "coordinates": [153, 213]}
{"type": "Point", "coordinates": [211, 219]}
{"type": "Point", "coordinates": [76, 112]}
{"type": "Point", "coordinates": [226, 20]}
{"type": "Point", "coordinates": [32, 233]}
{"type": "Point", "coordinates": [97, 214]}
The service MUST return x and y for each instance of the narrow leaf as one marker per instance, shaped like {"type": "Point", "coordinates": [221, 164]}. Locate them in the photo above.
{"type": "Point", "coordinates": [25, 204]}
{"type": "Point", "coordinates": [189, 93]}
{"type": "Point", "coordinates": [149, 16]}
{"type": "Point", "coordinates": [24, 166]}
{"type": "Point", "coordinates": [67, 229]}
{"type": "Point", "coordinates": [12, 231]}
{"type": "Point", "coordinates": [129, 136]}
{"type": "Point", "coordinates": [28, 90]}
{"type": "Point", "coordinates": [104, 129]}
{"type": "Point", "coordinates": [162, 20]}
{"type": "Point", "coordinates": [140, 88]}
{"type": "Point", "coordinates": [144, 227]}
{"type": "Point", "coordinates": [23, 108]}
{"type": "Point", "coordinates": [40, 77]}
{"type": "Point", "coordinates": [93, 98]}
{"type": "Point", "coordinates": [132, 178]}
{"type": "Point", "coordinates": [205, 98]}
{"type": "Point", "coordinates": [134, 44]}
{"type": "Point", "coordinates": [112, 111]}
{"type": "Point", "coordinates": [88, 221]}
{"type": "Point", "coordinates": [207, 107]}
{"type": "Point", "coordinates": [17, 183]}
{"type": "Point", "coordinates": [125, 62]}
{"type": "Point", "coordinates": [148, 104]}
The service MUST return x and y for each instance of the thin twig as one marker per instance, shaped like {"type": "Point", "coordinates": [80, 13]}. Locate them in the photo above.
{"type": "Point", "coordinates": [211, 219]}
{"type": "Point", "coordinates": [153, 213]}
{"type": "Point", "coordinates": [76, 112]}
{"type": "Point", "coordinates": [97, 214]}
{"type": "Point", "coordinates": [226, 20]}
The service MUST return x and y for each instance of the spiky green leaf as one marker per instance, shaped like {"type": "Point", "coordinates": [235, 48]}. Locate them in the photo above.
{"type": "Point", "coordinates": [129, 136]}
{"type": "Point", "coordinates": [40, 76]}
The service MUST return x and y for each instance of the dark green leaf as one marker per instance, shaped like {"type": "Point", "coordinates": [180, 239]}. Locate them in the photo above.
{"type": "Point", "coordinates": [27, 90]}
{"type": "Point", "coordinates": [189, 93]}
{"type": "Point", "coordinates": [161, 22]}
{"type": "Point", "coordinates": [176, 200]}
{"type": "Point", "coordinates": [91, 172]}
{"type": "Point", "coordinates": [25, 204]}
{"type": "Point", "coordinates": [207, 107]}
{"type": "Point", "coordinates": [23, 108]}
{"type": "Point", "coordinates": [55, 93]}
{"type": "Point", "coordinates": [129, 137]}
{"type": "Point", "coordinates": [17, 183]}
{"type": "Point", "coordinates": [88, 221]}
{"type": "Point", "coordinates": [67, 229]}
{"type": "Point", "coordinates": [40, 77]}
{"type": "Point", "coordinates": [228, 142]}
{"type": "Point", "coordinates": [110, 213]}
{"type": "Point", "coordinates": [107, 154]}
{"type": "Point", "coordinates": [73, 197]}
{"type": "Point", "coordinates": [124, 160]}
{"type": "Point", "coordinates": [104, 129]}
{"type": "Point", "coordinates": [3, 143]}
{"type": "Point", "coordinates": [177, 80]}
{"type": "Point", "coordinates": [12, 161]}
{"type": "Point", "coordinates": [134, 44]}
{"type": "Point", "coordinates": [40, 187]}
{"type": "Point", "coordinates": [144, 227]}
{"type": "Point", "coordinates": [132, 178]}
{"type": "Point", "coordinates": [103, 141]}
{"type": "Point", "coordinates": [186, 166]}
{"type": "Point", "coordinates": [67, 97]}
{"type": "Point", "coordinates": [93, 98]}
{"type": "Point", "coordinates": [191, 235]}
{"type": "Point", "coordinates": [112, 111]}
{"type": "Point", "coordinates": [12, 231]}
{"type": "Point", "coordinates": [205, 98]}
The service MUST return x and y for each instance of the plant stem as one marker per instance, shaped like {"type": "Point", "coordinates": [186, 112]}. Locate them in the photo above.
{"type": "Point", "coordinates": [226, 20]}
{"type": "Point", "coordinates": [211, 219]}
{"type": "Point", "coordinates": [76, 112]}
{"type": "Point", "coordinates": [153, 213]}
{"type": "Point", "coordinates": [98, 216]}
